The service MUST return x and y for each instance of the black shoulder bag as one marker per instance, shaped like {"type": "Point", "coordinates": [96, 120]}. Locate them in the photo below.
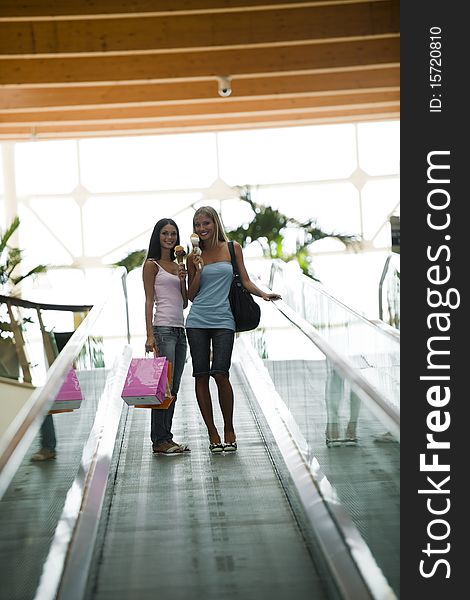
{"type": "Point", "coordinates": [246, 311]}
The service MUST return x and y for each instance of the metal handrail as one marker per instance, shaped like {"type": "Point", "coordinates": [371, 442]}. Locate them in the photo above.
{"type": "Point", "coordinates": [376, 401]}
{"type": "Point", "coordinates": [279, 265]}
{"type": "Point", "coordinates": [44, 305]}
{"type": "Point", "coordinates": [18, 337]}
{"type": "Point", "coordinates": [16, 440]}
{"type": "Point", "coordinates": [388, 414]}
{"type": "Point", "coordinates": [66, 570]}
{"type": "Point", "coordinates": [344, 552]}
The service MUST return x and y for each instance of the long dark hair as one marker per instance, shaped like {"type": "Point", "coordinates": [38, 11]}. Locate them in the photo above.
{"type": "Point", "coordinates": [155, 249]}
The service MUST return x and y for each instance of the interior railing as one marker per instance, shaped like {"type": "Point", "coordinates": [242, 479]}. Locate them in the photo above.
{"type": "Point", "coordinates": [368, 348]}
{"type": "Point", "coordinates": [347, 430]}
{"type": "Point", "coordinates": [32, 336]}
{"type": "Point", "coordinates": [91, 348]}
{"type": "Point", "coordinates": [85, 441]}
{"type": "Point", "coordinates": [316, 383]}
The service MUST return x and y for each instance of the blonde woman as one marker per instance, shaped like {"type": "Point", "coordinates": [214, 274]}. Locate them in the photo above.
{"type": "Point", "coordinates": [210, 325]}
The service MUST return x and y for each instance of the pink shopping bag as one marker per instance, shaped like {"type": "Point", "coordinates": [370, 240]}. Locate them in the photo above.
{"type": "Point", "coordinates": [146, 381]}
{"type": "Point", "coordinates": [69, 397]}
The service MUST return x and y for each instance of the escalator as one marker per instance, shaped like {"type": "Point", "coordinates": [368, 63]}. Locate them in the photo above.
{"type": "Point", "coordinates": [298, 510]}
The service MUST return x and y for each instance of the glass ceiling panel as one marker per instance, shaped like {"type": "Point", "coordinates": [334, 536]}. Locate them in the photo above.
{"type": "Point", "coordinates": [124, 225]}
{"type": "Point", "coordinates": [148, 162]}
{"type": "Point", "coordinates": [379, 147]}
{"type": "Point", "coordinates": [333, 205]}
{"type": "Point", "coordinates": [379, 199]}
{"type": "Point", "coordinates": [40, 245]}
{"type": "Point", "coordinates": [46, 167]}
{"type": "Point", "coordinates": [287, 154]}
{"type": "Point", "coordinates": [60, 215]}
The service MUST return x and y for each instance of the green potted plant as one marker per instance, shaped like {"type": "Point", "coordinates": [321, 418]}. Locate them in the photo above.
{"type": "Point", "coordinates": [10, 276]}
{"type": "Point", "coordinates": [268, 226]}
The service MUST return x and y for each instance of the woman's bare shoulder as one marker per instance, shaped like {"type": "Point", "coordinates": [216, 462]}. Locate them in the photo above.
{"type": "Point", "coordinates": [236, 247]}
{"type": "Point", "coordinates": [150, 264]}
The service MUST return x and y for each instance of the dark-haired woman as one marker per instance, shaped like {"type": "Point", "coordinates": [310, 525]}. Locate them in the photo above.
{"type": "Point", "coordinates": [165, 299]}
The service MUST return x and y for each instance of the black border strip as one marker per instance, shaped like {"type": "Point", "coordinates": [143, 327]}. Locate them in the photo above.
{"type": "Point", "coordinates": [434, 51]}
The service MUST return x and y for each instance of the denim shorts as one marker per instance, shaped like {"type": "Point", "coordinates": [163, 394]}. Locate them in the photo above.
{"type": "Point", "coordinates": [200, 347]}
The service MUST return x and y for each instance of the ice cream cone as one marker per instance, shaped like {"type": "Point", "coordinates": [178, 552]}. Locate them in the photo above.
{"type": "Point", "coordinates": [195, 244]}
{"type": "Point", "coordinates": [180, 254]}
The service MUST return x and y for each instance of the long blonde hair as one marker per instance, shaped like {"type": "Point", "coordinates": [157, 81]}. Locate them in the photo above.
{"type": "Point", "coordinates": [208, 211]}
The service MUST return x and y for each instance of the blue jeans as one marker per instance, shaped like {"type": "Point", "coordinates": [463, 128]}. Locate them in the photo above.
{"type": "Point", "coordinates": [48, 439]}
{"type": "Point", "coordinates": [171, 342]}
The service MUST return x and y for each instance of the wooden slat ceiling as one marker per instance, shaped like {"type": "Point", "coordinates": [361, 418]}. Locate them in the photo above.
{"type": "Point", "coordinates": [76, 68]}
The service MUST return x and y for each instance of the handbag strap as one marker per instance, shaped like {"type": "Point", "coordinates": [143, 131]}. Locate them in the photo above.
{"type": "Point", "coordinates": [233, 259]}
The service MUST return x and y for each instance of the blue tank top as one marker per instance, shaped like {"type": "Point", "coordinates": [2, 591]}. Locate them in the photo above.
{"type": "Point", "coordinates": [211, 308]}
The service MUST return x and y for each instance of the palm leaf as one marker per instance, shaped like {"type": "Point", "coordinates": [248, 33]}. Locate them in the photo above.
{"type": "Point", "coordinates": [8, 233]}
{"type": "Point", "coordinates": [13, 258]}
{"type": "Point", "coordinates": [267, 225]}
{"type": "Point", "coordinates": [133, 260]}
{"type": "Point", "coordinates": [38, 269]}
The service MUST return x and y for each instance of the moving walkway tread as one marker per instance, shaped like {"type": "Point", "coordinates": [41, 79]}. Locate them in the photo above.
{"type": "Point", "coordinates": [200, 525]}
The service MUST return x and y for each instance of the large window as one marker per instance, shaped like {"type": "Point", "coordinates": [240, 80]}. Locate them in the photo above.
{"type": "Point", "coordinates": [89, 202]}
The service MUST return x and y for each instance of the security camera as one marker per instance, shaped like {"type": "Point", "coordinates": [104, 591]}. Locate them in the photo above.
{"type": "Point", "coordinates": [224, 86]}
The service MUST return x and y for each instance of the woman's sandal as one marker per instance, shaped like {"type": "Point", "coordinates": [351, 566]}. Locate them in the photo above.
{"type": "Point", "coordinates": [346, 441]}
{"type": "Point", "coordinates": [185, 447]}
{"type": "Point", "coordinates": [167, 448]}
{"type": "Point", "coordinates": [216, 448]}
{"type": "Point", "coordinates": [330, 442]}
{"type": "Point", "coordinates": [230, 447]}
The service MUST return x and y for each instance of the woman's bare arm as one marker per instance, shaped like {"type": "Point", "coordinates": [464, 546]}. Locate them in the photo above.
{"type": "Point", "coordinates": [245, 279]}
{"type": "Point", "coordinates": [149, 272]}
{"type": "Point", "coordinates": [184, 290]}
{"type": "Point", "coordinates": [194, 274]}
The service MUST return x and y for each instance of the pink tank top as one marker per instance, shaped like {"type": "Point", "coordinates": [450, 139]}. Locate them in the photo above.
{"type": "Point", "coordinates": [168, 300]}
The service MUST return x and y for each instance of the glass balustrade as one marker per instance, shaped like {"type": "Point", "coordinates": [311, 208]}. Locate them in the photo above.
{"type": "Point", "coordinates": [375, 353]}
{"type": "Point", "coordinates": [35, 493]}
{"type": "Point", "coordinates": [344, 434]}
{"type": "Point", "coordinates": [345, 438]}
